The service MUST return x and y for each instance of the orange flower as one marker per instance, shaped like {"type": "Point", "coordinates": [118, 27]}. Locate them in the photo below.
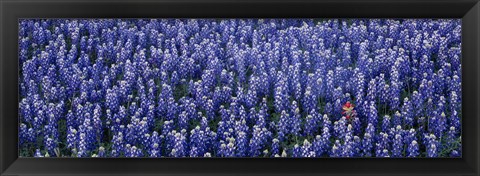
{"type": "Point", "coordinates": [348, 110]}
{"type": "Point", "coordinates": [348, 106]}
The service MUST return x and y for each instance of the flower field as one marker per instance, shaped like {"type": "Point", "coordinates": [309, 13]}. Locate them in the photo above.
{"type": "Point", "coordinates": [240, 88]}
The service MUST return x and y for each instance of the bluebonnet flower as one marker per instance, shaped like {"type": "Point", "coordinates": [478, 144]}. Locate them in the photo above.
{"type": "Point", "coordinates": [368, 140]}
{"type": "Point", "coordinates": [82, 145]}
{"type": "Point", "coordinates": [348, 149]}
{"type": "Point", "coordinates": [413, 149]}
{"type": "Point", "coordinates": [307, 149]}
{"type": "Point", "coordinates": [336, 149]}
{"type": "Point", "coordinates": [386, 124]}
{"type": "Point", "coordinates": [38, 153]}
{"type": "Point", "coordinates": [101, 152]}
{"type": "Point", "coordinates": [230, 148]}
{"type": "Point", "coordinates": [382, 146]}
{"type": "Point", "coordinates": [296, 151]}
{"type": "Point", "coordinates": [311, 125]}
{"type": "Point", "coordinates": [71, 137]}
{"type": "Point", "coordinates": [117, 144]}
{"type": "Point", "coordinates": [328, 109]}
{"type": "Point", "coordinates": [397, 119]}
{"type": "Point", "coordinates": [325, 142]}
{"type": "Point", "coordinates": [295, 119]}
{"type": "Point", "coordinates": [330, 86]}
{"type": "Point", "coordinates": [454, 119]}
{"type": "Point", "coordinates": [197, 137]}
{"type": "Point", "coordinates": [417, 100]}
{"type": "Point", "coordinates": [242, 144]}
{"type": "Point", "coordinates": [409, 136]}
{"type": "Point", "coordinates": [50, 144]}
{"type": "Point", "coordinates": [340, 127]}
{"type": "Point", "coordinates": [440, 127]}
{"type": "Point", "coordinates": [372, 113]}
{"type": "Point", "coordinates": [179, 147]}
{"type": "Point", "coordinates": [23, 134]}
{"type": "Point", "coordinates": [275, 147]}
{"type": "Point", "coordinates": [372, 90]}
{"type": "Point", "coordinates": [407, 113]}
{"type": "Point", "coordinates": [256, 141]}
{"type": "Point", "coordinates": [451, 136]}
{"type": "Point", "coordinates": [280, 96]}
{"type": "Point", "coordinates": [283, 125]}
{"type": "Point", "coordinates": [397, 146]}
{"type": "Point", "coordinates": [431, 144]}
{"type": "Point", "coordinates": [133, 151]}
{"type": "Point", "coordinates": [309, 100]}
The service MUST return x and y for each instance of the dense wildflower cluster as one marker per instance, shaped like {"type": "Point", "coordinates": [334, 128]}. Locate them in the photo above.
{"type": "Point", "coordinates": [240, 88]}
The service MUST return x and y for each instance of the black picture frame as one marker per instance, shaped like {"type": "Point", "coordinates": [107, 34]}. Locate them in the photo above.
{"type": "Point", "coordinates": [12, 10]}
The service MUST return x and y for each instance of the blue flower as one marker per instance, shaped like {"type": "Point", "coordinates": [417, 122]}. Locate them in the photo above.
{"type": "Point", "coordinates": [240, 88]}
